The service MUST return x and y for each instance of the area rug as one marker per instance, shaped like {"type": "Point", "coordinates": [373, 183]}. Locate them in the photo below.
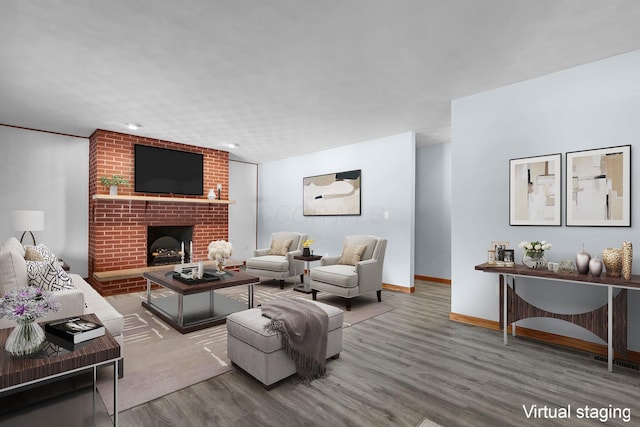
{"type": "Point", "coordinates": [158, 360]}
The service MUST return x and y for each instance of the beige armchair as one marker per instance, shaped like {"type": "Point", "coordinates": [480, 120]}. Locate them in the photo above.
{"type": "Point", "coordinates": [357, 271]}
{"type": "Point", "coordinates": [276, 261]}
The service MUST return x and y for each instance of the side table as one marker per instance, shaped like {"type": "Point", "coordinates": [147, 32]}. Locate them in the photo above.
{"type": "Point", "coordinates": [21, 372]}
{"type": "Point", "coordinates": [306, 285]}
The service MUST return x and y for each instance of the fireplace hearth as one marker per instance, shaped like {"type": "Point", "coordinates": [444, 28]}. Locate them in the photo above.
{"type": "Point", "coordinates": [165, 244]}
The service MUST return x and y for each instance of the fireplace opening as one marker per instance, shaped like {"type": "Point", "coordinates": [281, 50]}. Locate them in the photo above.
{"type": "Point", "coordinates": [166, 242]}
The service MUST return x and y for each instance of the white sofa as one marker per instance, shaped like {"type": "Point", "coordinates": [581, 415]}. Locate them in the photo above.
{"type": "Point", "coordinates": [82, 299]}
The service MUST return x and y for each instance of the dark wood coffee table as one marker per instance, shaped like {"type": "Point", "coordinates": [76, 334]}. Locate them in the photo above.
{"type": "Point", "coordinates": [189, 310]}
{"type": "Point", "coordinates": [54, 362]}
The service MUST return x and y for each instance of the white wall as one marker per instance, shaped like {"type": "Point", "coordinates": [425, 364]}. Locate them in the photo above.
{"type": "Point", "coordinates": [48, 172]}
{"type": "Point", "coordinates": [433, 211]}
{"type": "Point", "coordinates": [388, 185]}
{"type": "Point", "coordinates": [591, 106]}
{"type": "Point", "coordinates": [243, 222]}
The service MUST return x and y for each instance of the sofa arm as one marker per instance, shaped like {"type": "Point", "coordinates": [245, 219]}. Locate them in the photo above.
{"type": "Point", "coordinates": [71, 304]}
{"type": "Point", "coordinates": [329, 260]}
{"type": "Point", "coordinates": [369, 275]}
{"type": "Point", "coordinates": [261, 252]}
{"type": "Point", "coordinates": [295, 266]}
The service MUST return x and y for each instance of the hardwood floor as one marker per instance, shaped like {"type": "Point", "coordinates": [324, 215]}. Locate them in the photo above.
{"type": "Point", "coordinates": [410, 364]}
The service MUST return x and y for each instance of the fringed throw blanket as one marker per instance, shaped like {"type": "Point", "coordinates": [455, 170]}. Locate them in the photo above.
{"type": "Point", "coordinates": [303, 326]}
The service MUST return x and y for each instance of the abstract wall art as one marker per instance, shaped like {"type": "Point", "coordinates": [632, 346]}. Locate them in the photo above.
{"type": "Point", "coordinates": [599, 187]}
{"type": "Point", "coordinates": [332, 194]}
{"type": "Point", "coordinates": [534, 190]}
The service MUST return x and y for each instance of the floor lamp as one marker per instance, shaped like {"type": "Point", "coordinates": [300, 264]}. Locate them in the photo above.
{"type": "Point", "coordinates": [28, 222]}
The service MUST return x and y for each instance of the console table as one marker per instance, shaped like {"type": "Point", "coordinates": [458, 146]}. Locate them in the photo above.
{"type": "Point", "coordinates": [609, 322]}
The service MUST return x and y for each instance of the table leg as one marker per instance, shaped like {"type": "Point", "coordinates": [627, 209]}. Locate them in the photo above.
{"type": "Point", "coordinates": [250, 296]}
{"type": "Point", "coordinates": [513, 325]}
{"type": "Point", "coordinates": [148, 291]}
{"type": "Point", "coordinates": [211, 303]}
{"type": "Point", "coordinates": [181, 310]}
{"type": "Point", "coordinates": [610, 328]}
{"type": "Point", "coordinates": [95, 370]}
{"type": "Point", "coordinates": [115, 393]}
{"type": "Point", "coordinates": [504, 310]}
{"type": "Point", "coordinates": [307, 281]}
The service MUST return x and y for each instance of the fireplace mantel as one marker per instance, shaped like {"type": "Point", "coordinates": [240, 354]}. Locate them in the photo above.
{"type": "Point", "coordinates": [162, 199]}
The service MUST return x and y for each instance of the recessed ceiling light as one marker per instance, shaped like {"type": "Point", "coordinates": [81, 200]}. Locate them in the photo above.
{"type": "Point", "coordinates": [134, 126]}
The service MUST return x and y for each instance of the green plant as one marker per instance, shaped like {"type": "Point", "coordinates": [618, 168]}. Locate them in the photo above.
{"type": "Point", "coordinates": [116, 180]}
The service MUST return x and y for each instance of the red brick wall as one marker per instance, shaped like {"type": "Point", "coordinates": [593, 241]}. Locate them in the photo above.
{"type": "Point", "coordinates": [118, 229]}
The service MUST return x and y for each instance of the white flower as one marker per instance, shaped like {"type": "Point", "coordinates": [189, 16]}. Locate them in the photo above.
{"type": "Point", "coordinates": [220, 249]}
{"type": "Point", "coordinates": [521, 245]}
{"type": "Point", "coordinates": [537, 247]}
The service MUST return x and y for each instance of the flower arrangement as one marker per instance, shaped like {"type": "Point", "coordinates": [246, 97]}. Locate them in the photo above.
{"type": "Point", "coordinates": [25, 305]}
{"type": "Point", "coordinates": [535, 247]}
{"type": "Point", "coordinates": [308, 243]}
{"type": "Point", "coordinates": [220, 251]}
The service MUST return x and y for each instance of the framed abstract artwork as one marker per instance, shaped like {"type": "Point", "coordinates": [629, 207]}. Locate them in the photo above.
{"type": "Point", "coordinates": [535, 190]}
{"type": "Point", "coordinates": [332, 194]}
{"type": "Point", "coordinates": [599, 187]}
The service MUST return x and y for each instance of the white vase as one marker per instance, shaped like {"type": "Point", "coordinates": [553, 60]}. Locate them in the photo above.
{"type": "Point", "coordinates": [211, 195]}
{"type": "Point", "coordinates": [113, 190]}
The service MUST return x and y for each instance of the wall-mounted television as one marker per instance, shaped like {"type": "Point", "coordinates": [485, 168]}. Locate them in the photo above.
{"type": "Point", "coordinates": [166, 171]}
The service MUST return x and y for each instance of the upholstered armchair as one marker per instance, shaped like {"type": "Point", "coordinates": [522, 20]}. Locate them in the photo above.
{"type": "Point", "coordinates": [276, 261]}
{"type": "Point", "coordinates": [357, 271]}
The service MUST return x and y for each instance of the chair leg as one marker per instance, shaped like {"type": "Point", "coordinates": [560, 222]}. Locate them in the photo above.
{"type": "Point", "coordinates": [302, 279]}
{"type": "Point", "coordinates": [281, 284]}
{"type": "Point", "coordinates": [379, 295]}
{"type": "Point", "coordinates": [314, 294]}
{"type": "Point", "coordinates": [348, 304]}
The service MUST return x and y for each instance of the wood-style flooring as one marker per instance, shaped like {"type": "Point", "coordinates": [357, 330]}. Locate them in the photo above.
{"type": "Point", "coordinates": [410, 364]}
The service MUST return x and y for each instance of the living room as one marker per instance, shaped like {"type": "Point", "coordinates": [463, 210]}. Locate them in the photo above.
{"type": "Point", "coordinates": [439, 205]}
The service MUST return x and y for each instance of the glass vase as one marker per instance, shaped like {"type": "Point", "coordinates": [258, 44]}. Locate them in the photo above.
{"type": "Point", "coordinates": [534, 260]}
{"type": "Point", "coordinates": [25, 339]}
{"type": "Point", "coordinates": [220, 264]}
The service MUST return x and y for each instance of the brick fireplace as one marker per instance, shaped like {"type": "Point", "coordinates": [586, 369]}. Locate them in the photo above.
{"type": "Point", "coordinates": [118, 228]}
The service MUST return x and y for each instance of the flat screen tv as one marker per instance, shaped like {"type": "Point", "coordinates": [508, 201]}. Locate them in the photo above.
{"type": "Point", "coordinates": [165, 171]}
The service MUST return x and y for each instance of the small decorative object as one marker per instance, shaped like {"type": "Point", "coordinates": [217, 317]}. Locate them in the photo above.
{"type": "Point", "coordinates": [595, 267]}
{"type": "Point", "coordinates": [612, 259]}
{"type": "Point", "coordinates": [508, 255]}
{"type": "Point", "coordinates": [500, 252]}
{"type": "Point", "coordinates": [211, 195]}
{"type": "Point", "coordinates": [582, 261]}
{"type": "Point", "coordinates": [567, 266]}
{"type": "Point", "coordinates": [219, 191]}
{"type": "Point", "coordinates": [25, 305]}
{"type": "Point", "coordinates": [113, 183]}
{"type": "Point", "coordinates": [220, 251]}
{"type": "Point", "coordinates": [491, 257]}
{"type": "Point", "coordinates": [306, 250]}
{"type": "Point", "coordinates": [627, 259]}
{"type": "Point", "coordinates": [534, 253]}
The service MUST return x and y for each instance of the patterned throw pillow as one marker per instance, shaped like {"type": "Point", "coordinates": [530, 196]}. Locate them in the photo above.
{"type": "Point", "coordinates": [280, 247]}
{"type": "Point", "coordinates": [48, 275]}
{"type": "Point", "coordinates": [351, 254]}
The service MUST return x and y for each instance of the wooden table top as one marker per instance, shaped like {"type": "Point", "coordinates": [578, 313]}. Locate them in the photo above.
{"type": "Point", "coordinates": [19, 370]}
{"type": "Point", "coordinates": [543, 273]}
{"type": "Point", "coordinates": [231, 278]}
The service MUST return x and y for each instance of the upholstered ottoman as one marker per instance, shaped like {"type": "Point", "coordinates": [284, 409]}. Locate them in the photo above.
{"type": "Point", "coordinates": [260, 353]}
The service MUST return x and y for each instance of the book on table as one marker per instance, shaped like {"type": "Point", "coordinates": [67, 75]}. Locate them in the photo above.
{"type": "Point", "coordinates": [75, 329]}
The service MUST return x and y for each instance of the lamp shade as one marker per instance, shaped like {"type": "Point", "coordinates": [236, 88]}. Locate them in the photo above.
{"type": "Point", "coordinates": [28, 220]}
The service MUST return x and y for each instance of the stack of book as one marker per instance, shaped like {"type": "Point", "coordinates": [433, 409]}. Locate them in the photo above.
{"type": "Point", "coordinates": [72, 331]}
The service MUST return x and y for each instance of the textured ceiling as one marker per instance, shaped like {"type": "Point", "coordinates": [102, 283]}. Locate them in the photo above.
{"type": "Point", "coordinates": [285, 77]}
